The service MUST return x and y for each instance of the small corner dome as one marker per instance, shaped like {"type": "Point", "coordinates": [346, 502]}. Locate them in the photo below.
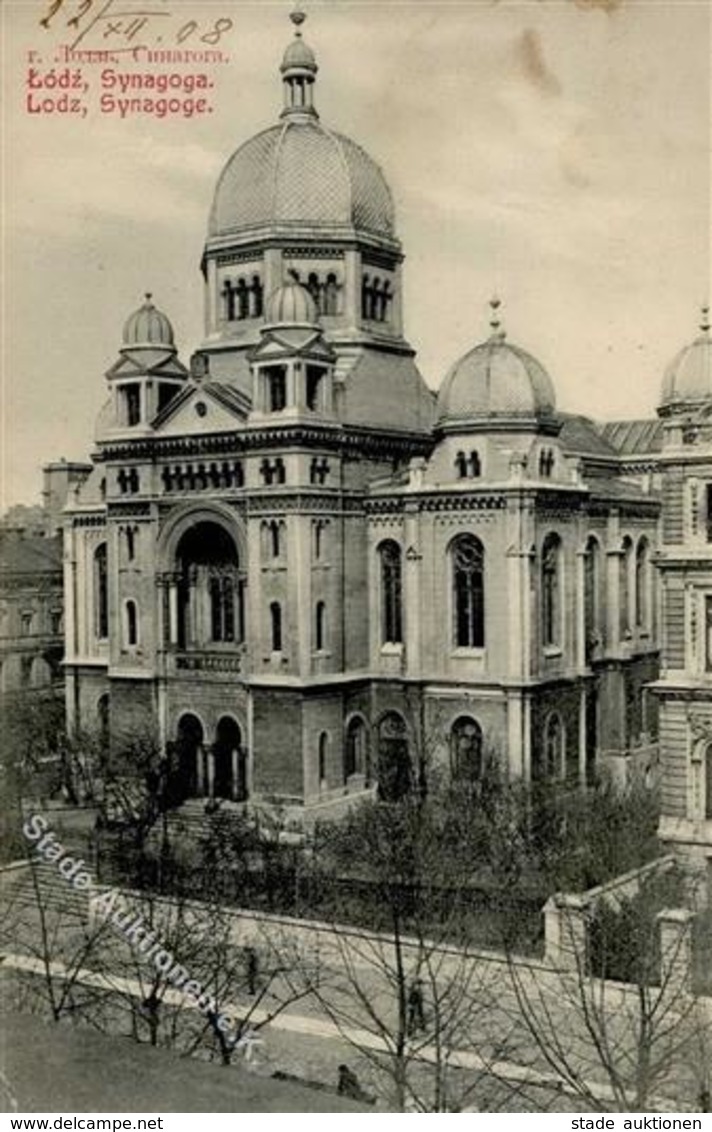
{"type": "Point", "coordinates": [291, 303]}
{"type": "Point", "coordinates": [148, 327]}
{"type": "Point", "coordinates": [496, 380]}
{"type": "Point", "coordinates": [688, 378]}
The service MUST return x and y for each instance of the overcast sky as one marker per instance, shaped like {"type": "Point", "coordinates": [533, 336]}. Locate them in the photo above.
{"type": "Point", "coordinates": [557, 153]}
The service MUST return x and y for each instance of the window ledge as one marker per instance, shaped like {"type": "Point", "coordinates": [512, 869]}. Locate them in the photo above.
{"type": "Point", "coordinates": [463, 653]}
{"type": "Point", "coordinates": [392, 648]}
{"type": "Point", "coordinates": [553, 651]}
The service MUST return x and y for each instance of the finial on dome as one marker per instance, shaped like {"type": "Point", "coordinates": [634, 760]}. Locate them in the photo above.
{"type": "Point", "coordinates": [148, 295]}
{"type": "Point", "coordinates": [705, 320]}
{"type": "Point", "coordinates": [297, 17]}
{"type": "Point", "coordinates": [298, 72]}
{"type": "Point", "coordinates": [495, 322]}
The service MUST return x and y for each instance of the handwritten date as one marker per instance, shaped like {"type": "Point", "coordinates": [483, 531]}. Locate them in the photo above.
{"type": "Point", "coordinates": [114, 24]}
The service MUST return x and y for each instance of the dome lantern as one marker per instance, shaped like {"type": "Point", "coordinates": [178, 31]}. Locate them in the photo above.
{"type": "Point", "coordinates": [299, 70]}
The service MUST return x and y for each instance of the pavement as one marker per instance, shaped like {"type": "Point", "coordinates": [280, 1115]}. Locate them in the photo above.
{"type": "Point", "coordinates": [65, 1068]}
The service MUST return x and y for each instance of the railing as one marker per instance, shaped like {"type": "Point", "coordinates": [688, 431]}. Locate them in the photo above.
{"type": "Point", "coordinates": [226, 662]}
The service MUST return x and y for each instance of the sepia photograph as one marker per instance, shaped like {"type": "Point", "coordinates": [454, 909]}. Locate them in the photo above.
{"type": "Point", "coordinates": [356, 561]}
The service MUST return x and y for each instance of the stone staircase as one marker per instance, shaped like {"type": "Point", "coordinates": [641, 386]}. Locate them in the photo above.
{"type": "Point", "coordinates": [39, 885]}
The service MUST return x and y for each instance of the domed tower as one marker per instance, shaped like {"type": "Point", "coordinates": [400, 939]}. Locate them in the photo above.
{"type": "Point", "coordinates": [496, 405]}
{"type": "Point", "coordinates": [147, 374]}
{"type": "Point", "coordinates": [685, 564]}
{"type": "Point", "coordinates": [302, 200]}
{"type": "Point", "coordinates": [292, 365]}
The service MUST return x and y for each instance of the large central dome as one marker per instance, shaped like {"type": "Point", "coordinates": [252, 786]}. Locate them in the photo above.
{"type": "Point", "coordinates": [299, 173]}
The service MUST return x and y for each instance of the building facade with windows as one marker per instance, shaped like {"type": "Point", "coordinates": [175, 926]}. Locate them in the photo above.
{"type": "Point", "coordinates": [312, 576]}
{"type": "Point", "coordinates": [679, 449]}
{"type": "Point", "coordinates": [32, 587]}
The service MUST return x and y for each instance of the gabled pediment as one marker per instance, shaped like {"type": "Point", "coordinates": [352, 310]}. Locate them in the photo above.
{"type": "Point", "coordinates": [285, 343]}
{"type": "Point", "coordinates": [140, 363]}
{"type": "Point", "coordinates": [202, 409]}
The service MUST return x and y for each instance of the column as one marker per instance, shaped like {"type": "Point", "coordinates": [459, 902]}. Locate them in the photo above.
{"type": "Point", "coordinates": [352, 289]}
{"type": "Point", "coordinates": [211, 772]}
{"type": "Point", "coordinates": [580, 642]}
{"type": "Point", "coordinates": [299, 593]}
{"type": "Point", "coordinates": [294, 370]}
{"type": "Point", "coordinates": [613, 603]}
{"type": "Point", "coordinates": [583, 713]}
{"type": "Point", "coordinates": [565, 931]}
{"type": "Point", "coordinates": [199, 769]}
{"type": "Point", "coordinates": [211, 297]}
{"type": "Point", "coordinates": [235, 762]}
{"type": "Point", "coordinates": [173, 612]}
{"type": "Point", "coordinates": [675, 926]}
{"type": "Point", "coordinates": [411, 591]}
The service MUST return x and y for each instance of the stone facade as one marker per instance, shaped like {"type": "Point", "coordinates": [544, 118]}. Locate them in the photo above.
{"type": "Point", "coordinates": [310, 575]}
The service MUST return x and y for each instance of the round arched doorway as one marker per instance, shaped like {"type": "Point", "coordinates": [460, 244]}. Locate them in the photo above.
{"type": "Point", "coordinates": [189, 768]}
{"type": "Point", "coordinates": [230, 779]}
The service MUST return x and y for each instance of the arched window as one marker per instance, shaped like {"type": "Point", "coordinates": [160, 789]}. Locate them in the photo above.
{"type": "Point", "coordinates": [331, 295]}
{"type": "Point", "coordinates": [708, 782]}
{"type": "Point", "coordinates": [554, 750]}
{"type": "Point", "coordinates": [243, 299]}
{"type": "Point", "coordinates": [624, 586]}
{"type": "Point", "coordinates": [320, 626]}
{"type": "Point", "coordinates": [130, 543]}
{"type": "Point", "coordinates": [642, 583]}
{"type": "Point", "coordinates": [222, 607]}
{"type": "Point", "coordinates": [375, 300]}
{"type": "Point", "coordinates": [101, 592]}
{"type": "Point", "coordinates": [591, 583]}
{"type": "Point", "coordinates": [210, 592]}
{"type": "Point", "coordinates": [551, 590]}
{"type": "Point", "coordinates": [356, 750]}
{"type": "Point", "coordinates": [466, 749]}
{"type": "Point", "coordinates": [365, 297]}
{"type": "Point", "coordinates": [391, 592]}
{"type": "Point", "coordinates": [461, 465]}
{"type": "Point", "coordinates": [475, 464]}
{"type": "Point", "coordinates": [257, 296]}
{"type": "Point", "coordinates": [395, 773]}
{"type": "Point", "coordinates": [275, 615]}
{"type": "Point", "coordinates": [274, 538]}
{"type": "Point", "coordinates": [468, 562]}
{"type": "Point", "coordinates": [323, 751]}
{"type": "Point", "coordinates": [131, 624]}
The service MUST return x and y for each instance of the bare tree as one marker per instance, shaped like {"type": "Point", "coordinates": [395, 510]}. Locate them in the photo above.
{"type": "Point", "coordinates": [408, 995]}
{"type": "Point", "coordinates": [616, 1015]}
{"type": "Point", "coordinates": [243, 985]}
